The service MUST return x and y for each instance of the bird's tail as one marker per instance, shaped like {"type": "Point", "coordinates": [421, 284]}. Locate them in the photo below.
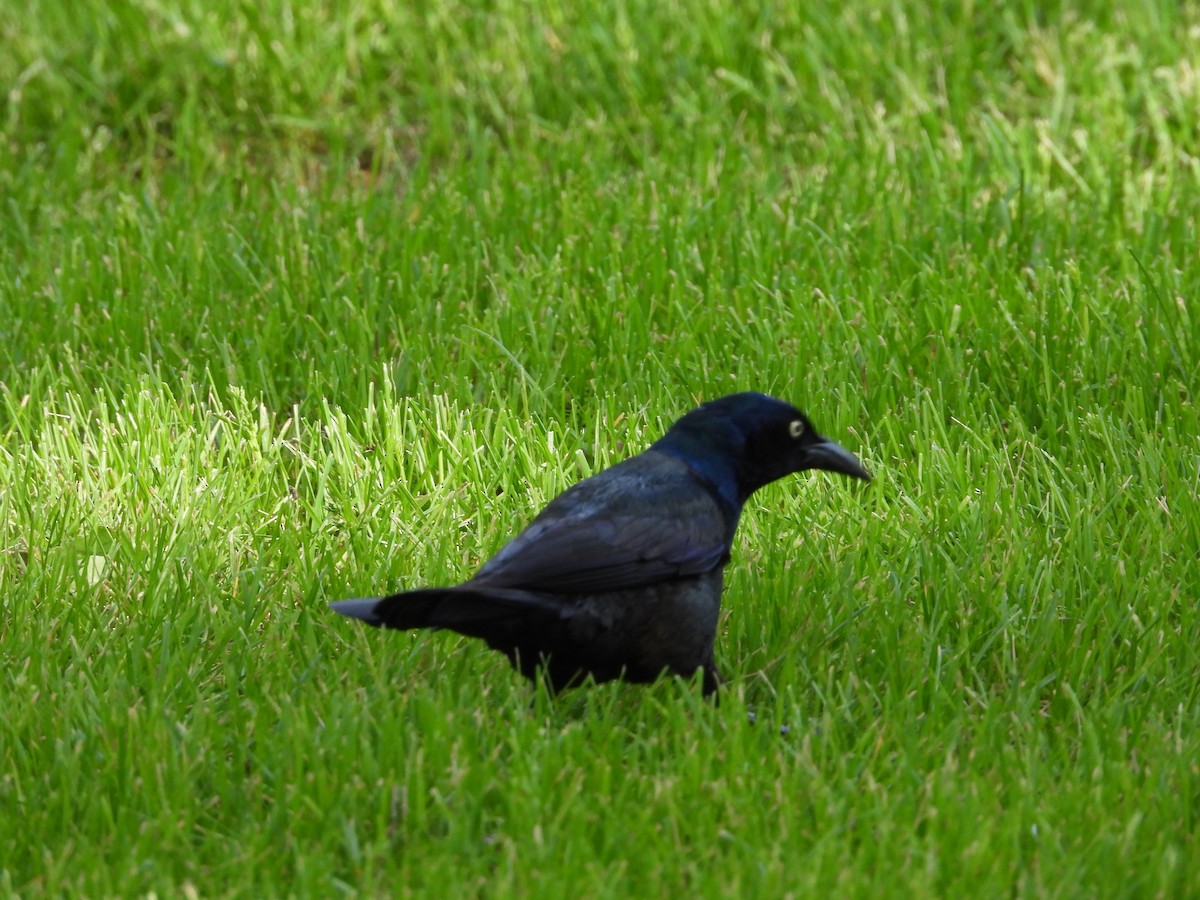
{"type": "Point", "coordinates": [475, 612]}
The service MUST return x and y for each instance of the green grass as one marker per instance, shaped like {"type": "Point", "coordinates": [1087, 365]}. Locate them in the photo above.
{"type": "Point", "coordinates": [303, 301]}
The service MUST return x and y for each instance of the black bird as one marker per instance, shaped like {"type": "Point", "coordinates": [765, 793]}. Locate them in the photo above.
{"type": "Point", "coordinates": [620, 575]}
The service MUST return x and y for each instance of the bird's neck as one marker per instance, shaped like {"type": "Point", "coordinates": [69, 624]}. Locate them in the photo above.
{"type": "Point", "coordinates": [715, 470]}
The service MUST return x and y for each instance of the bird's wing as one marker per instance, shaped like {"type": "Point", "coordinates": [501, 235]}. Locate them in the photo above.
{"type": "Point", "coordinates": [646, 520]}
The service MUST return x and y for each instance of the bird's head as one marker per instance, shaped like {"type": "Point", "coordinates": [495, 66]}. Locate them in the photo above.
{"type": "Point", "coordinates": [744, 441]}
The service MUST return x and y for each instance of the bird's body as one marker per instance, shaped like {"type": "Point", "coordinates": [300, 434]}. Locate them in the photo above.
{"type": "Point", "coordinates": [620, 576]}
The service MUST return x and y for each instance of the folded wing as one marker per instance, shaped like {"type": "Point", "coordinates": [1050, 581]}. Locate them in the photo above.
{"type": "Point", "coordinates": [642, 521]}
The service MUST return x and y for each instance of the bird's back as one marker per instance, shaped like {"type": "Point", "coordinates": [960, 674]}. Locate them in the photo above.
{"type": "Point", "coordinates": [646, 520]}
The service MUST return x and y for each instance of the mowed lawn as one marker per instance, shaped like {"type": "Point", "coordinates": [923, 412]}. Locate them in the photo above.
{"type": "Point", "coordinates": [302, 301]}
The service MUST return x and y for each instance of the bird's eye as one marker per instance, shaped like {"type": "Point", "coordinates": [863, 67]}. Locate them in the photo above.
{"type": "Point", "coordinates": [796, 428]}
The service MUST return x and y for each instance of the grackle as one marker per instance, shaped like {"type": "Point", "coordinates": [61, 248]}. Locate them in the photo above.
{"type": "Point", "coordinates": [620, 575]}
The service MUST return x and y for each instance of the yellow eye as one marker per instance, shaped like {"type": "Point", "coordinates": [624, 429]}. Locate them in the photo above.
{"type": "Point", "coordinates": [796, 428]}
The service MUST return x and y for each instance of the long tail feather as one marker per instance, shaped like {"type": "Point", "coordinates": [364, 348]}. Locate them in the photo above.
{"type": "Point", "coordinates": [359, 608]}
{"type": "Point", "coordinates": [473, 612]}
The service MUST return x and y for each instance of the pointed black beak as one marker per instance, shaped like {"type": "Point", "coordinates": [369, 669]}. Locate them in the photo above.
{"type": "Point", "coordinates": [833, 457]}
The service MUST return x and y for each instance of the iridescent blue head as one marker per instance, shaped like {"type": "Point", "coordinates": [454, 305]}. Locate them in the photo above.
{"type": "Point", "coordinates": [744, 441]}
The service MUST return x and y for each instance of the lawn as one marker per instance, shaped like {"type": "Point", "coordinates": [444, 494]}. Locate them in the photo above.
{"type": "Point", "coordinates": [308, 301]}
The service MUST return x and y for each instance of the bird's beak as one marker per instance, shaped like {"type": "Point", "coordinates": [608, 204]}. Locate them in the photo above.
{"type": "Point", "coordinates": [833, 457]}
